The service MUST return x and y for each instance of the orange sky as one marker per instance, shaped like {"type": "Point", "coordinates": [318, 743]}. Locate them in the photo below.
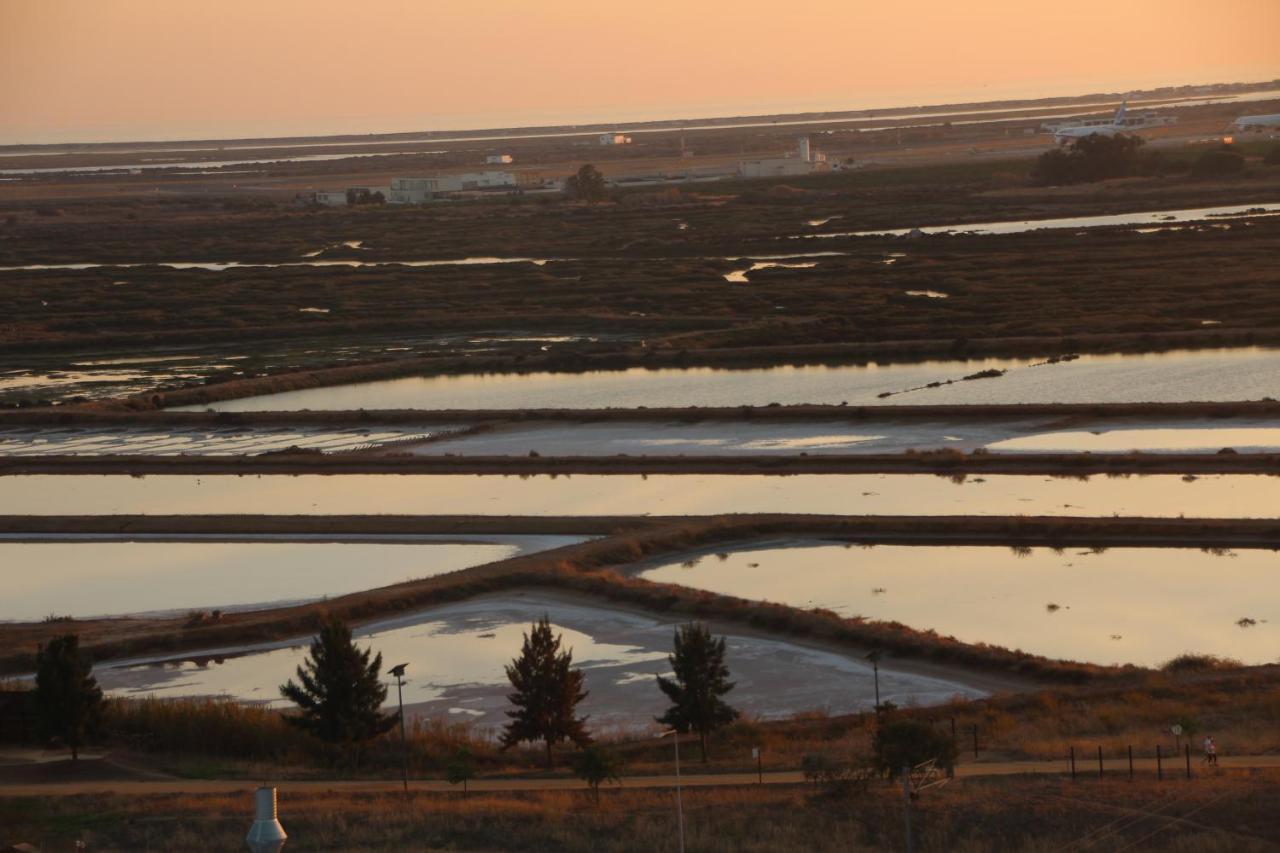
{"type": "Point", "coordinates": [80, 70]}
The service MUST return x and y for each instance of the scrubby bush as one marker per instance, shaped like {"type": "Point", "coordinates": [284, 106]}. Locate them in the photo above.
{"type": "Point", "coordinates": [1091, 158]}
{"type": "Point", "coordinates": [1199, 663]}
{"type": "Point", "coordinates": [910, 742]}
{"type": "Point", "coordinates": [834, 777]}
{"type": "Point", "coordinates": [1217, 163]}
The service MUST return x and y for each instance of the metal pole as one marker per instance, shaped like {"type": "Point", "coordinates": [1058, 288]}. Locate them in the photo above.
{"type": "Point", "coordinates": [875, 669]}
{"type": "Point", "coordinates": [906, 803]}
{"type": "Point", "coordinates": [1099, 761]}
{"type": "Point", "coordinates": [1131, 762]}
{"type": "Point", "coordinates": [760, 765]}
{"type": "Point", "coordinates": [975, 740]}
{"type": "Point", "coordinates": [1073, 764]}
{"type": "Point", "coordinates": [679, 800]}
{"type": "Point", "coordinates": [1159, 763]}
{"type": "Point", "coordinates": [874, 657]}
{"type": "Point", "coordinates": [404, 740]}
{"type": "Point", "coordinates": [1188, 749]}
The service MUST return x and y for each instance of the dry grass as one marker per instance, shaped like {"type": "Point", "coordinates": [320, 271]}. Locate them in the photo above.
{"type": "Point", "coordinates": [1229, 812]}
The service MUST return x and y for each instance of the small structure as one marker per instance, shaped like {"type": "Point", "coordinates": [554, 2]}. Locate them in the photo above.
{"type": "Point", "coordinates": [614, 139]}
{"type": "Point", "coordinates": [330, 198]}
{"type": "Point", "coordinates": [412, 190]}
{"type": "Point", "coordinates": [804, 161]}
{"type": "Point", "coordinates": [266, 835]}
{"type": "Point", "coordinates": [498, 159]}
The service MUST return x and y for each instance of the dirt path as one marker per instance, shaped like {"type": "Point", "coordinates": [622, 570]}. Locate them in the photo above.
{"type": "Point", "coordinates": [1174, 769]}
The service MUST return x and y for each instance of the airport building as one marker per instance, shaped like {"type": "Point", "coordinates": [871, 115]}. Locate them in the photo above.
{"type": "Point", "coordinates": [330, 198]}
{"type": "Point", "coordinates": [803, 161]}
{"type": "Point", "coordinates": [419, 190]}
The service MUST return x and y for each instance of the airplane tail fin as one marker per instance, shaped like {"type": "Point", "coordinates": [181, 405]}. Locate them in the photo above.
{"type": "Point", "coordinates": [1120, 113]}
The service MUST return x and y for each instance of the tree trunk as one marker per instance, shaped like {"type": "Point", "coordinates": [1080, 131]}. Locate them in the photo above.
{"type": "Point", "coordinates": [702, 740]}
{"type": "Point", "coordinates": [75, 751]}
{"type": "Point", "coordinates": [548, 753]}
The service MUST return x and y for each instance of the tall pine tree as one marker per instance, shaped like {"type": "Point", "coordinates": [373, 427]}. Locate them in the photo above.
{"type": "Point", "coordinates": [547, 692]}
{"type": "Point", "coordinates": [68, 698]}
{"type": "Point", "coordinates": [701, 679]}
{"type": "Point", "coordinates": [340, 691]}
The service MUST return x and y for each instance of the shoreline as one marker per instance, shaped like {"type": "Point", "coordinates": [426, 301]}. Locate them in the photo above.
{"type": "Point", "coordinates": [596, 569]}
{"type": "Point", "coordinates": [946, 462]}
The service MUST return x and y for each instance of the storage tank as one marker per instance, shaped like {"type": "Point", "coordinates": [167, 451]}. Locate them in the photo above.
{"type": "Point", "coordinates": [266, 835]}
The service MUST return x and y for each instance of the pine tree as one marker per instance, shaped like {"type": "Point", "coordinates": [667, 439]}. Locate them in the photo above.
{"type": "Point", "coordinates": [68, 697]}
{"type": "Point", "coordinates": [701, 679]}
{"type": "Point", "coordinates": [595, 766]}
{"type": "Point", "coordinates": [340, 691]}
{"type": "Point", "coordinates": [547, 692]}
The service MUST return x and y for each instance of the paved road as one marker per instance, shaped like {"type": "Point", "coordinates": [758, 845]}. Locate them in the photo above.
{"type": "Point", "coordinates": [1174, 768]}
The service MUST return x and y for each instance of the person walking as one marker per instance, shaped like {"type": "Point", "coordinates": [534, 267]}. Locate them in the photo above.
{"type": "Point", "coordinates": [1210, 751]}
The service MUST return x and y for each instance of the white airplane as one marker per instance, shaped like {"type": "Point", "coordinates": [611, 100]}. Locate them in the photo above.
{"type": "Point", "coordinates": [1256, 123]}
{"type": "Point", "coordinates": [1083, 129]}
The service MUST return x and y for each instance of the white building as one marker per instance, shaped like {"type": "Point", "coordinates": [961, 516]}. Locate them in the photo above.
{"type": "Point", "coordinates": [804, 161]}
{"type": "Point", "coordinates": [412, 190]}
{"type": "Point", "coordinates": [498, 159]}
{"type": "Point", "coordinates": [419, 190]}
{"type": "Point", "coordinates": [330, 198]}
{"type": "Point", "coordinates": [774, 167]}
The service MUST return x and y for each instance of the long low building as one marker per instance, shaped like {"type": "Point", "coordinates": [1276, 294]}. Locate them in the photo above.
{"type": "Point", "coordinates": [419, 190]}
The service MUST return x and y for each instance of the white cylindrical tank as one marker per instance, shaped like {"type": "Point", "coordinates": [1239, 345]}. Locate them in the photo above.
{"type": "Point", "coordinates": [266, 835]}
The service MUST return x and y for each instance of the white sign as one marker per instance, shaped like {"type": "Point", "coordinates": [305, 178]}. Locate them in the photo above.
{"type": "Point", "coordinates": [755, 752]}
{"type": "Point", "coordinates": [1177, 729]}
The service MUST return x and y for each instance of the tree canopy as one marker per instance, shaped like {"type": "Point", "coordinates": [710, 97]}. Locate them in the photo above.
{"type": "Point", "coordinates": [902, 742]}
{"type": "Point", "coordinates": [547, 691]}
{"type": "Point", "coordinates": [339, 690]}
{"type": "Point", "coordinates": [1090, 158]}
{"type": "Point", "coordinates": [586, 185]}
{"type": "Point", "coordinates": [701, 679]}
{"type": "Point", "coordinates": [68, 698]}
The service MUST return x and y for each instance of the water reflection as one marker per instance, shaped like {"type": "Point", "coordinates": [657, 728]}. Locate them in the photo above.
{"type": "Point", "coordinates": [1249, 373]}
{"type": "Point", "coordinates": [1123, 605]}
{"type": "Point", "coordinates": [83, 579]}
{"type": "Point", "coordinates": [1234, 495]}
{"type": "Point", "coordinates": [1166, 439]}
{"type": "Point", "coordinates": [456, 656]}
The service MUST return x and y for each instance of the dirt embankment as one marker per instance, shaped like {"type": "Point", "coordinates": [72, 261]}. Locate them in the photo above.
{"type": "Point", "coordinates": [1066, 413]}
{"type": "Point", "coordinates": [951, 463]}
{"type": "Point", "coordinates": [597, 569]}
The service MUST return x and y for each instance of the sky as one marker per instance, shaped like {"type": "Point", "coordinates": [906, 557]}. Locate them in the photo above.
{"type": "Point", "coordinates": [113, 70]}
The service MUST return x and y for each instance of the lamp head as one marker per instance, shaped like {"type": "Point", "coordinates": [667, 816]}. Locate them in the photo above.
{"type": "Point", "coordinates": [398, 670]}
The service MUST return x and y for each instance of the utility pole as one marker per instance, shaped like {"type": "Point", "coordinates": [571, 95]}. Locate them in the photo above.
{"type": "Point", "coordinates": [398, 672]}
{"type": "Point", "coordinates": [679, 799]}
{"type": "Point", "coordinates": [906, 804]}
{"type": "Point", "coordinates": [874, 657]}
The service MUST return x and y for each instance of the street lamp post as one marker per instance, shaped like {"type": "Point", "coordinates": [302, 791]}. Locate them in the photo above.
{"type": "Point", "coordinates": [398, 672]}
{"type": "Point", "coordinates": [679, 800]}
{"type": "Point", "coordinates": [874, 657]}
